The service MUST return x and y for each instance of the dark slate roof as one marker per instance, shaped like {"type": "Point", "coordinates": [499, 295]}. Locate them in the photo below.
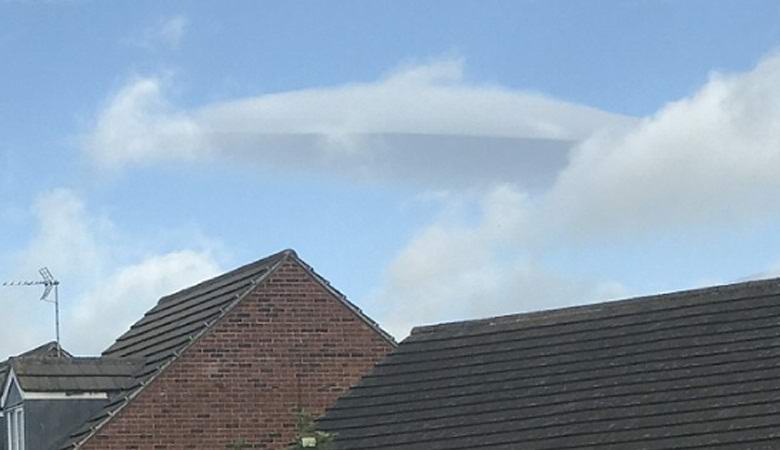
{"type": "Point", "coordinates": [179, 319]}
{"type": "Point", "coordinates": [75, 375]}
{"type": "Point", "coordinates": [47, 350]}
{"type": "Point", "coordinates": [690, 370]}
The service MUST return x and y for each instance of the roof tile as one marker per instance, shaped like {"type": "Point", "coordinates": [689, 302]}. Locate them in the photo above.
{"type": "Point", "coordinates": [694, 369]}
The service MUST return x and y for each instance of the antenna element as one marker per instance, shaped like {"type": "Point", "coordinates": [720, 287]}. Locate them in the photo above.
{"type": "Point", "coordinates": [49, 284]}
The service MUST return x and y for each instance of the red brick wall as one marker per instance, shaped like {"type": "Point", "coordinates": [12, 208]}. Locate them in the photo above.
{"type": "Point", "coordinates": [290, 344]}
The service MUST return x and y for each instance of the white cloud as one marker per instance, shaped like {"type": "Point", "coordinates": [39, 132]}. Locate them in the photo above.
{"type": "Point", "coordinates": [713, 157]}
{"type": "Point", "coordinates": [67, 237]}
{"type": "Point", "coordinates": [424, 123]}
{"type": "Point", "coordinates": [459, 269]}
{"type": "Point", "coordinates": [140, 126]}
{"type": "Point", "coordinates": [103, 288]}
{"type": "Point", "coordinates": [709, 160]}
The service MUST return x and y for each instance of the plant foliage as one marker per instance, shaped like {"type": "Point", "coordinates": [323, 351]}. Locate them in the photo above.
{"type": "Point", "coordinates": [307, 428]}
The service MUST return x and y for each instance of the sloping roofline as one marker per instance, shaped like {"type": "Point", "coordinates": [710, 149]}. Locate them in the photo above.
{"type": "Point", "coordinates": [293, 255]}
{"type": "Point", "coordinates": [343, 298]}
{"type": "Point", "coordinates": [743, 289]}
{"type": "Point", "coordinates": [277, 260]}
{"type": "Point", "coordinates": [10, 379]}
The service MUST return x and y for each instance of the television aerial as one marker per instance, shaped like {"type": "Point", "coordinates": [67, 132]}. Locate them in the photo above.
{"type": "Point", "coordinates": [50, 284]}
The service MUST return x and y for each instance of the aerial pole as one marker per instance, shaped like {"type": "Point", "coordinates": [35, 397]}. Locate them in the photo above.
{"type": "Point", "coordinates": [49, 284]}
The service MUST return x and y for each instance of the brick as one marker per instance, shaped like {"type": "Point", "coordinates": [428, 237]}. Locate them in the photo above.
{"type": "Point", "coordinates": [289, 345]}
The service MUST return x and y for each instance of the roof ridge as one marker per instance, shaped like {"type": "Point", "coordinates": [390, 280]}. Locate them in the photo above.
{"type": "Point", "coordinates": [228, 274]}
{"type": "Point", "coordinates": [40, 351]}
{"type": "Point", "coordinates": [693, 293]}
{"type": "Point", "coordinates": [80, 359]}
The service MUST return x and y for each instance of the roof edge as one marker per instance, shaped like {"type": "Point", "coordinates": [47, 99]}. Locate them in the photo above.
{"type": "Point", "coordinates": [265, 260]}
{"type": "Point", "coordinates": [341, 297]}
{"type": "Point", "coordinates": [772, 285]}
{"type": "Point", "coordinates": [9, 379]}
{"type": "Point", "coordinates": [40, 352]}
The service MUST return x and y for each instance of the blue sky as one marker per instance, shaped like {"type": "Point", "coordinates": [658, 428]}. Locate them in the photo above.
{"type": "Point", "coordinates": [434, 160]}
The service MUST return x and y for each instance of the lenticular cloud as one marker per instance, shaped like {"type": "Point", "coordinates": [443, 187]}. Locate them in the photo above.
{"type": "Point", "coordinates": [424, 124]}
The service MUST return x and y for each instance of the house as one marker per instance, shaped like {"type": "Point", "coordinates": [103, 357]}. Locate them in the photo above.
{"type": "Point", "coordinates": [48, 350]}
{"type": "Point", "coordinates": [696, 369]}
{"type": "Point", "coordinates": [229, 361]}
{"type": "Point", "coordinates": [46, 397]}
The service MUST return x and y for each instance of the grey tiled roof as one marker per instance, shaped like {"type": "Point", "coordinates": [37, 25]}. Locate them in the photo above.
{"type": "Point", "coordinates": [695, 369]}
{"type": "Point", "coordinates": [46, 350]}
{"type": "Point", "coordinates": [73, 375]}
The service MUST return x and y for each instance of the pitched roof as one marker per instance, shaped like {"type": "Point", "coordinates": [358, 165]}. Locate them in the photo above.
{"type": "Point", "coordinates": [180, 319]}
{"type": "Point", "coordinates": [75, 375]}
{"type": "Point", "coordinates": [694, 369]}
{"type": "Point", "coordinates": [47, 350]}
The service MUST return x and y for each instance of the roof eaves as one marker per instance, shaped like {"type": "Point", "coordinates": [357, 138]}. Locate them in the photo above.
{"type": "Point", "coordinates": [9, 380]}
{"type": "Point", "coordinates": [176, 354]}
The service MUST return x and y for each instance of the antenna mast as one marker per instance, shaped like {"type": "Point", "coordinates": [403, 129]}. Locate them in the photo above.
{"type": "Point", "coordinates": [49, 284]}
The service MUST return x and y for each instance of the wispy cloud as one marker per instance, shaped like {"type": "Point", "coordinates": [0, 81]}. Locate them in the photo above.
{"type": "Point", "coordinates": [167, 33]}
{"type": "Point", "coordinates": [104, 286]}
{"type": "Point", "coordinates": [172, 31]}
{"type": "Point", "coordinates": [421, 123]}
{"type": "Point", "coordinates": [457, 268]}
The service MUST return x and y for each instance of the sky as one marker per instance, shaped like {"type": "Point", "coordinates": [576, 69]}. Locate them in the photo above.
{"type": "Point", "coordinates": [436, 161]}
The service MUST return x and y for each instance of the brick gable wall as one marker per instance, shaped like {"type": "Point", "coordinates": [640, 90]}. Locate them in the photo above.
{"type": "Point", "coordinates": [289, 344]}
